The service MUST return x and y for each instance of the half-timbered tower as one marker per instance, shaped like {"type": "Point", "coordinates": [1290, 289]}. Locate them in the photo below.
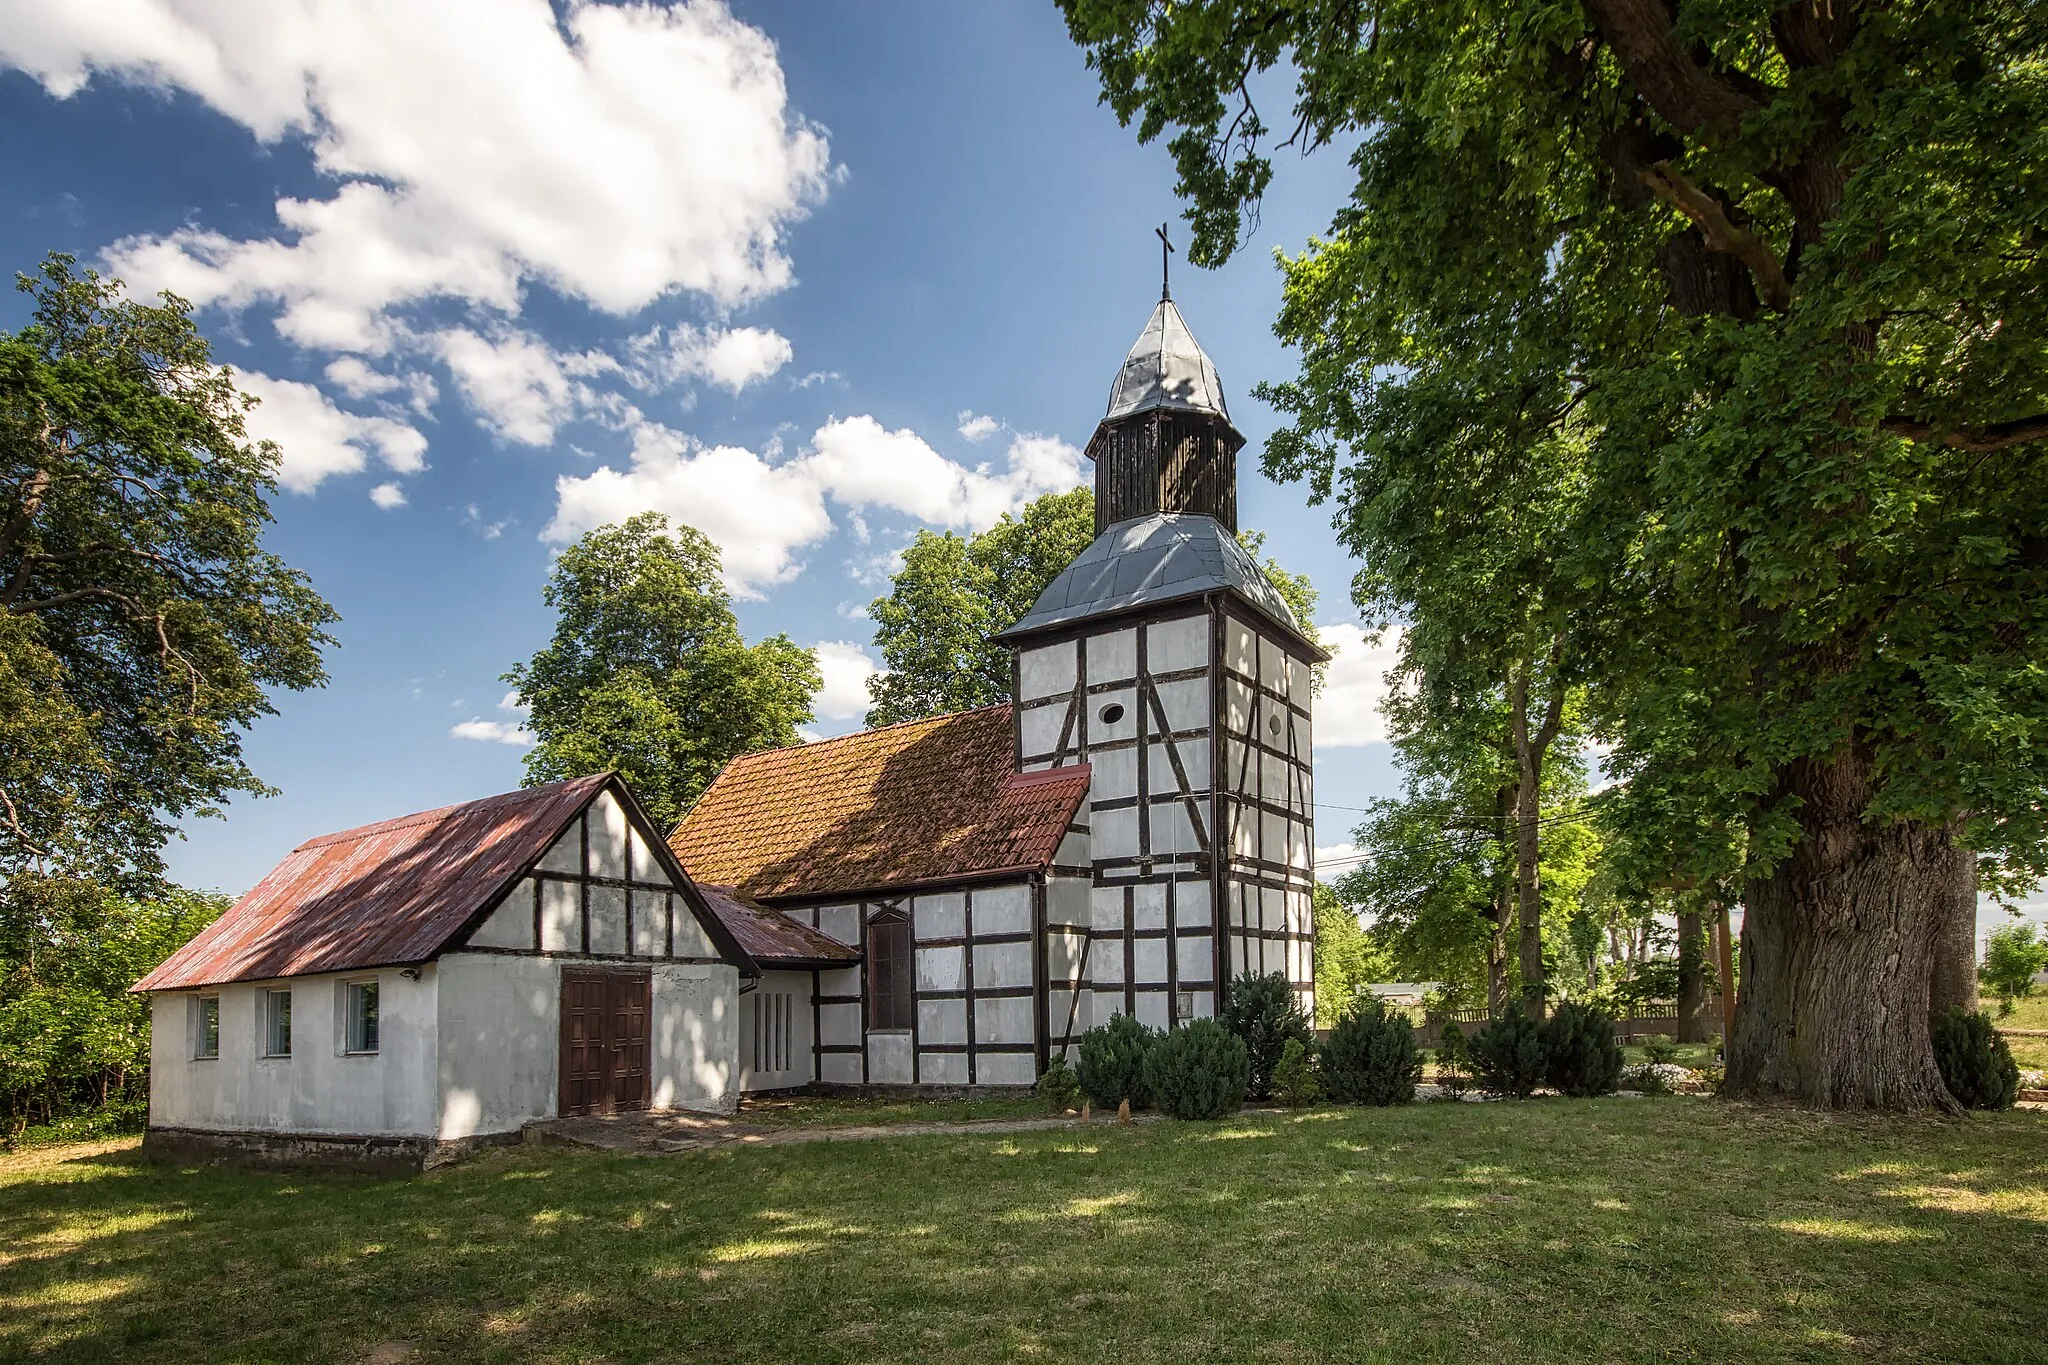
{"type": "Point", "coordinates": [1165, 659]}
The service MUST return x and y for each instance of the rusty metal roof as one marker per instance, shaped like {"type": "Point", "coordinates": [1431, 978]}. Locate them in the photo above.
{"type": "Point", "coordinates": [770, 937]}
{"type": "Point", "coordinates": [926, 801]}
{"type": "Point", "coordinates": [382, 895]}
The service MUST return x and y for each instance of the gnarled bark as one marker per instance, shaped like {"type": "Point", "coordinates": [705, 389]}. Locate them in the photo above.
{"type": "Point", "coordinates": [1953, 984]}
{"type": "Point", "coordinates": [1692, 979]}
{"type": "Point", "coordinates": [1838, 949]}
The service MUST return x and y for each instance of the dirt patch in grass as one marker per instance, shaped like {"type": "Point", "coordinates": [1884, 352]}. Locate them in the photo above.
{"type": "Point", "coordinates": [1549, 1231]}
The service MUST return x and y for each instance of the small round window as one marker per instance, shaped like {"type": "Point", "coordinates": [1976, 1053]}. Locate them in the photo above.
{"type": "Point", "coordinates": [1273, 725]}
{"type": "Point", "coordinates": [1111, 713]}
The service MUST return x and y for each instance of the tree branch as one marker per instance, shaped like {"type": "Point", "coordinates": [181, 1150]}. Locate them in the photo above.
{"type": "Point", "coordinates": [1710, 216]}
{"type": "Point", "coordinates": [1682, 92]}
{"type": "Point", "coordinates": [1997, 436]}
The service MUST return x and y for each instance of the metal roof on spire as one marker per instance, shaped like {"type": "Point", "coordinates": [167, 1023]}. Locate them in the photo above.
{"type": "Point", "coordinates": [1166, 368]}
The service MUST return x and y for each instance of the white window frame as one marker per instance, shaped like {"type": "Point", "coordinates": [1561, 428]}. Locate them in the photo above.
{"type": "Point", "coordinates": [199, 1031]}
{"type": "Point", "coordinates": [350, 993]}
{"type": "Point", "coordinates": [266, 1019]}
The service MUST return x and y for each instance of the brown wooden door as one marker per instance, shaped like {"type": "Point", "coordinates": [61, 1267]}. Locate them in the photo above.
{"type": "Point", "coordinates": [604, 1041]}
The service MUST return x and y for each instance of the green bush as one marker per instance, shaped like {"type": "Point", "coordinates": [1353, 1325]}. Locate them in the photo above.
{"type": "Point", "coordinates": [1113, 1062]}
{"type": "Point", "coordinates": [1975, 1063]}
{"type": "Point", "coordinates": [1453, 1058]}
{"type": "Point", "coordinates": [1057, 1087]}
{"type": "Point", "coordinates": [1659, 1048]}
{"type": "Point", "coordinates": [2013, 956]}
{"type": "Point", "coordinates": [1581, 1057]}
{"type": "Point", "coordinates": [1296, 1080]}
{"type": "Point", "coordinates": [1371, 1057]}
{"type": "Point", "coordinates": [1508, 1054]}
{"type": "Point", "coordinates": [1197, 1071]}
{"type": "Point", "coordinates": [1264, 1013]}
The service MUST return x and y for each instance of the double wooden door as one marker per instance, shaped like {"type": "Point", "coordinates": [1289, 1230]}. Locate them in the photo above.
{"type": "Point", "coordinates": [604, 1041]}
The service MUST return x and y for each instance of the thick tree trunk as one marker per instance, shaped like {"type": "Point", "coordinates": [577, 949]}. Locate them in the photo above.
{"type": "Point", "coordinates": [1692, 980]}
{"type": "Point", "coordinates": [1529, 751]}
{"type": "Point", "coordinates": [1954, 982]}
{"type": "Point", "coordinates": [1837, 954]}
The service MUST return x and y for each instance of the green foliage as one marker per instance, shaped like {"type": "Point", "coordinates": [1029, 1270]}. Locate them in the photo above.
{"type": "Point", "coordinates": [1976, 1064]}
{"type": "Point", "coordinates": [2013, 957]}
{"type": "Point", "coordinates": [1264, 1011]}
{"type": "Point", "coordinates": [1371, 1056]}
{"type": "Point", "coordinates": [1453, 1057]}
{"type": "Point", "coordinates": [1581, 1056]}
{"type": "Point", "coordinates": [1058, 1087]}
{"type": "Point", "coordinates": [1113, 1062]}
{"type": "Point", "coordinates": [953, 594]}
{"type": "Point", "coordinates": [1660, 1049]}
{"type": "Point", "coordinates": [647, 672]}
{"type": "Point", "coordinates": [1508, 1054]}
{"type": "Point", "coordinates": [1197, 1071]}
{"type": "Point", "coordinates": [1346, 960]}
{"type": "Point", "coordinates": [143, 627]}
{"type": "Point", "coordinates": [1297, 1078]}
{"type": "Point", "coordinates": [73, 1042]}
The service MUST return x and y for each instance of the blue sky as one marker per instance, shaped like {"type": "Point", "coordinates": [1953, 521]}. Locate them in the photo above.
{"type": "Point", "coordinates": [809, 276]}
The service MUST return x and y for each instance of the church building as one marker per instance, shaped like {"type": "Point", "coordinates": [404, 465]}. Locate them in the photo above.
{"type": "Point", "coordinates": [939, 904]}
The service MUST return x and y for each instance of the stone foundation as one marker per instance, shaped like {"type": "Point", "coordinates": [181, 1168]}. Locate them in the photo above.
{"type": "Point", "coordinates": [375, 1155]}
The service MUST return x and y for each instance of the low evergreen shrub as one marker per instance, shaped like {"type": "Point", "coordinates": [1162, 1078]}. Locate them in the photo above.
{"type": "Point", "coordinates": [1297, 1080]}
{"type": "Point", "coordinates": [1659, 1048]}
{"type": "Point", "coordinates": [1197, 1071]}
{"type": "Point", "coordinates": [1508, 1055]}
{"type": "Point", "coordinates": [1057, 1087]}
{"type": "Point", "coordinates": [1581, 1057]}
{"type": "Point", "coordinates": [1976, 1065]}
{"type": "Point", "coordinates": [1112, 1066]}
{"type": "Point", "coordinates": [1453, 1058]}
{"type": "Point", "coordinates": [1371, 1057]}
{"type": "Point", "coordinates": [1264, 1012]}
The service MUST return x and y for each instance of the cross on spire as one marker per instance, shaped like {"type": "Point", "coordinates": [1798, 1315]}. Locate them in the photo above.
{"type": "Point", "coordinates": [1165, 246]}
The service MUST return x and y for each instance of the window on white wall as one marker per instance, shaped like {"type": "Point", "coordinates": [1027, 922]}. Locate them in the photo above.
{"type": "Point", "coordinates": [277, 1023]}
{"type": "Point", "coordinates": [206, 1027]}
{"type": "Point", "coordinates": [774, 1013]}
{"type": "Point", "coordinates": [359, 1015]}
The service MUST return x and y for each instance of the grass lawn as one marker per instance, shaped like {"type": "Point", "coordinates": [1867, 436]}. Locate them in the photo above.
{"type": "Point", "coordinates": [2031, 1013]}
{"type": "Point", "coordinates": [1556, 1230]}
{"type": "Point", "coordinates": [814, 1112]}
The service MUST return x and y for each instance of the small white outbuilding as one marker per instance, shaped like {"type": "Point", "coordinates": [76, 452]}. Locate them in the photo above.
{"type": "Point", "coordinates": [396, 994]}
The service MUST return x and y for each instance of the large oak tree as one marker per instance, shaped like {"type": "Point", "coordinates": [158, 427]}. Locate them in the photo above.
{"type": "Point", "coordinates": [1782, 267]}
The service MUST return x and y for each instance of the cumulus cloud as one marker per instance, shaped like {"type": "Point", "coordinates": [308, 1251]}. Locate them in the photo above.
{"type": "Point", "coordinates": [318, 439]}
{"type": "Point", "coordinates": [521, 388]}
{"type": "Point", "coordinates": [977, 427]}
{"type": "Point", "coordinates": [356, 379]}
{"type": "Point", "coordinates": [1348, 711]}
{"type": "Point", "coordinates": [388, 496]}
{"type": "Point", "coordinates": [512, 732]}
{"type": "Point", "coordinates": [762, 511]}
{"type": "Point", "coordinates": [730, 358]}
{"type": "Point", "coordinates": [615, 153]}
{"type": "Point", "coordinates": [845, 668]}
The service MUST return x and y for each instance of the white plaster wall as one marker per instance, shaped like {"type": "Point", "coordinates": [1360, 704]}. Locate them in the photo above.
{"type": "Point", "coordinates": [941, 915]}
{"type": "Point", "coordinates": [1171, 646]}
{"type": "Point", "coordinates": [840, 923]}
{"type": "Point", "coordinates": [797, 986]}
{"type": "Point", "coordinates": [1002, 964]}
{"type": "Point", "coordinates": [1046, 671]}
{"type": "Point", "coordinates": [1006, 1068]}
{"type": "Point", "coordinates": [942, 1021]}
{"type": "Point", "coordinates": [1196, 957]}
{"type": "Point", "coordinates": [317, 1089]}
{"type": "Point", "coordinates": [1066, 900]}
{"type": "Point", "coordinates": [511, 924]}
{"type": "Point", "coordinates": [889, 1058]}
{"type": "Point", "coordinates": [1039, 727]}
{"type": "Point", "coordinates": [1002, 909]}
{"type": "Point", "coordinates": [694, 1037]}
{"type": "Point", "coordinates": [1007, 1019]}
{"type": "Point", "coordinates": [1112, 656]}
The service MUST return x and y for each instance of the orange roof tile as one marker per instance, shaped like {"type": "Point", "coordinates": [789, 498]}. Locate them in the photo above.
{"type": "Point", "coordinates": [924, 801]}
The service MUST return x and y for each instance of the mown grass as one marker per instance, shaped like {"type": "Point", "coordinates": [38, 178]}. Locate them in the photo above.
{"type": "Point", "coordinates": [805, 1111]}
{"type": "Point", "coordinates": [1614, 1230]}
{"type": "Point", "coordinates": [2030, 1013]}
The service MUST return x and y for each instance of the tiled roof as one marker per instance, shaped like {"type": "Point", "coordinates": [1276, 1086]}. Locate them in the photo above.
{"type": "Point", "coordinates": [924, 801]}
{"type": "Point", "coordinates": [384, 894]}
{"type": "Point", "coordinates": [770, 937]}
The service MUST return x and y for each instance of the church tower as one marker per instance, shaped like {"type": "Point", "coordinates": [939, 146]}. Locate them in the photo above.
{"type": "Point", "coordinates": [1165, 659]}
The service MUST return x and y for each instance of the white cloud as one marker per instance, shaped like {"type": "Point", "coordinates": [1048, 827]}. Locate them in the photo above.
{"type": "Point", "coordinates": [730, 358]}
{"type": "Point", "coordinates": [522, 388]}
{"type": "Point", "coordinates": [845, 668]}
{"type": "Point", "coordinates": [762, 513]}
{"type": "Point", "coordinates": [388, 496]}
{"type": "Point", "coordinates": [510, 703]}
{"type": "Point", "coordinates": [494, 731]}
{"type": "Point", "coordinates": [617, 154]}
{"type": "Point", "coordinates": [977, 428]}
{"type": "Point", "coordinates": [319, 439]}
{"type": "Point", "coordinates": [358, 380]}
{"type": "Point", "coordinates": [1348, 710]}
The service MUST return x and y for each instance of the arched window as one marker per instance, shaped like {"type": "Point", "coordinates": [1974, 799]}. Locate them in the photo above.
{"type": "Point", "coordinates": [891, 993]}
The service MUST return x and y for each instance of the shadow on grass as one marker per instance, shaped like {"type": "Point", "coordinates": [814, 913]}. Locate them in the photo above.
{"type": "Point", "coordinates": [1554, 1230]}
